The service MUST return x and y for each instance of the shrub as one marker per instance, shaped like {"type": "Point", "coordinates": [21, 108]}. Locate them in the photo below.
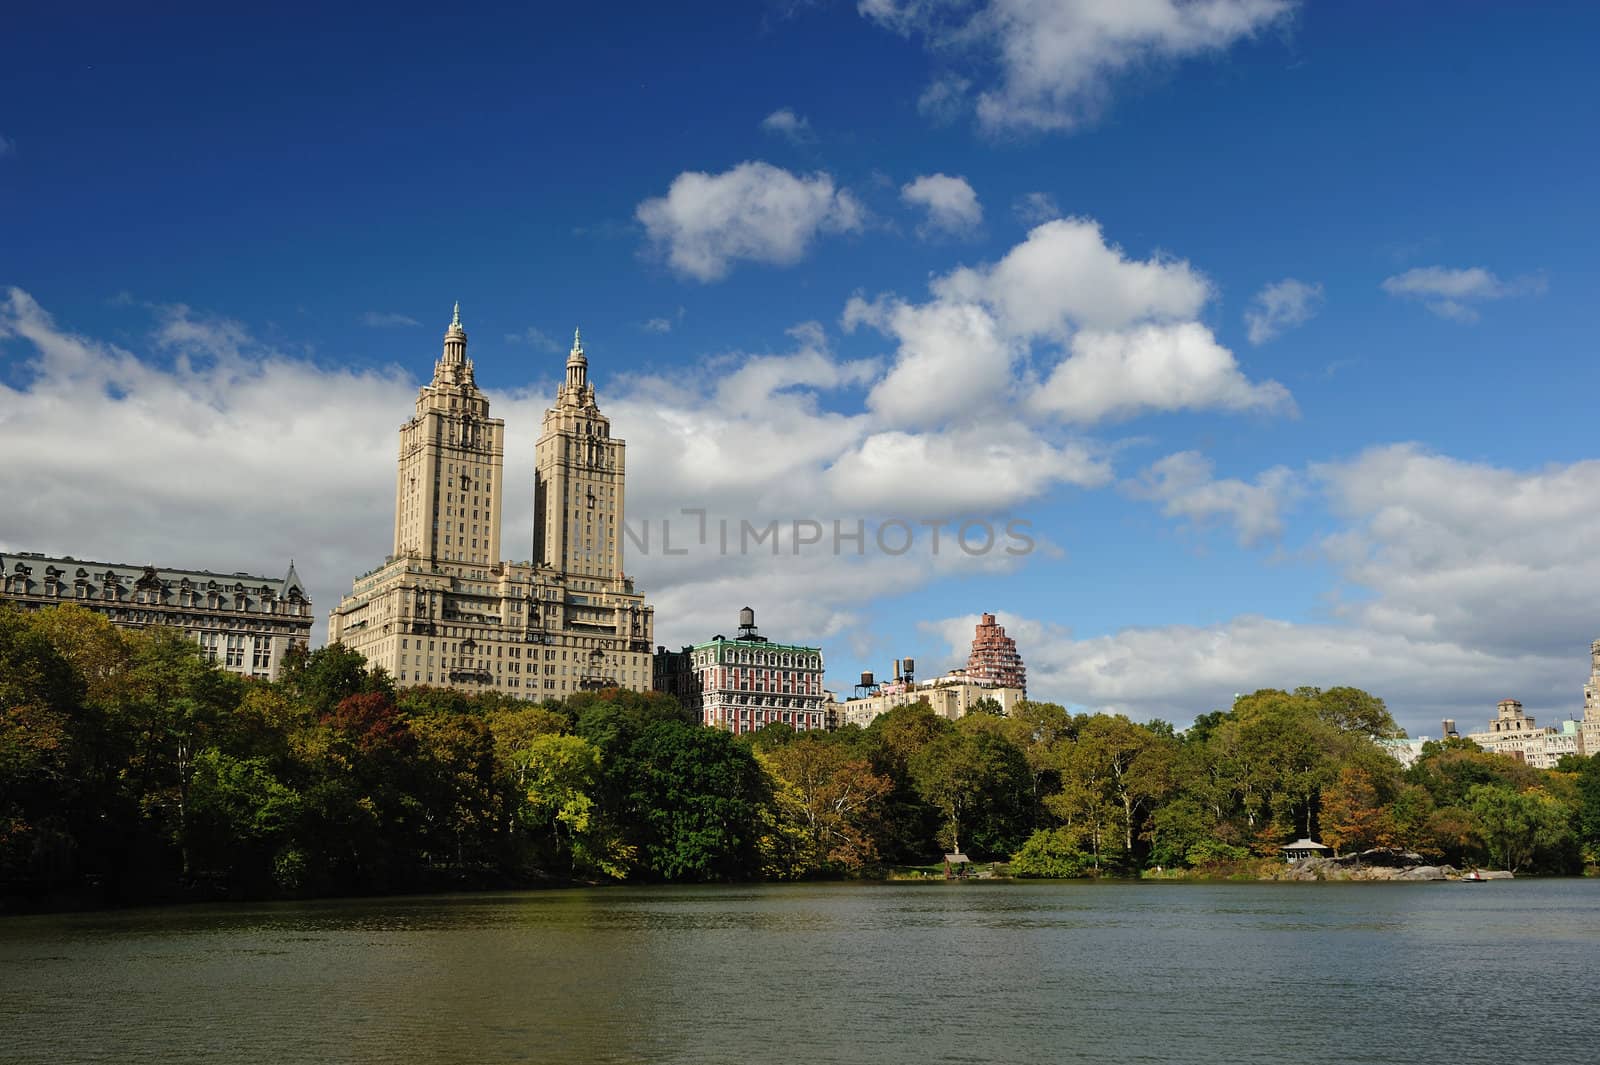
{"type": "Point", "coordinates": [1050, 854]}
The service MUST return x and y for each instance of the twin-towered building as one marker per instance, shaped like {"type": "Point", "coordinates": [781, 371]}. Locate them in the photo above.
{"type": "Point", "coordinates": [444, 609]}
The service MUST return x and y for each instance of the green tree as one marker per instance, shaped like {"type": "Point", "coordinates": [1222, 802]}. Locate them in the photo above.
{"type": "Point", "coordinates": [1518, 825]}
{"type": "Point", "coordinates": [697, 798]}
{"type": "Point", "coordinates": [1052, 853]}
{"type": "Point", "coordinates": [979, 782]}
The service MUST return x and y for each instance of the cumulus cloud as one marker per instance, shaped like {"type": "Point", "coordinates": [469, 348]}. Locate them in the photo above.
{"type": "Point", "coordinates": [754, 212]}
{"type": "Point", "coordinates": [1184, 485]}
{"type": "Point", "coordinates": [1177, 671]}
{"type": "Point", "coordinates": [1036, 207]}
{"type": "Point", "coordinates": [1498, 559]}
{"type": "Point", "coordinates": [1452, 293]}
{"type": "Point", "coordinates": [971, 470]}
{"type": "Point", "coordinates": [1112, 375]}
{"type": "Point", "coordinates": [1126, 328]}
{"type": "Point", "coordinates": [202, 446]}
{"type": "Point", "coordinates": [1055, 65]}
{"type": "Point", "coordinates": [1281, 306]}
{"type": "Point", "coordinates": [786, 124]}
{"type": "Point", "coordinates": [387, 320]}
{"type": "Point", "coordinates": [214, 455]}
{"type": "Point", "coordinates": [1459, 583]}
{"type": "Point", "coordinates": [951, 204]}
{"type": "Point", "coordinates": [1067, 275]}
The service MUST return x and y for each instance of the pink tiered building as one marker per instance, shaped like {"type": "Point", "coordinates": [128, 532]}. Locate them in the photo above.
{"type": "Point", "coordinates": [994, 658]}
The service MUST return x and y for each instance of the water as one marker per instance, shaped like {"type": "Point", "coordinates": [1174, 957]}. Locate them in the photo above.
{"type": "Point", "coordinates": [1190, 973]}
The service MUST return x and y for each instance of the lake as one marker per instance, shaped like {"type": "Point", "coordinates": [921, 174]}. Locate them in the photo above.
{"type": "Point", "coordinates": [1442, 973]}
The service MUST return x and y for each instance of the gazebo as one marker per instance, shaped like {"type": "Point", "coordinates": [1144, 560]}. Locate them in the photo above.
{"type": "Point", "coordinates": [1301, 849]}
{"type": "Point", "coordinates": [955, 865]}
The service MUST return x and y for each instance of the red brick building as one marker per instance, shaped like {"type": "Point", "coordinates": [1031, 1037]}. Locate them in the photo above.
{"type": "Point", "coordinates": [994, 658]}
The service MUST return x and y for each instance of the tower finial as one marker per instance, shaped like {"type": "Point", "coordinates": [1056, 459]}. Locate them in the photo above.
{"type": "Point", "coordinates": [455, 318]}
{"type": "Point", "coordinates": [577, 341]}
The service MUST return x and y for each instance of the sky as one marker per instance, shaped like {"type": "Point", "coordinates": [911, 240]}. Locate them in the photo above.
{"type": "Point", "coordinates": [1213, 345]}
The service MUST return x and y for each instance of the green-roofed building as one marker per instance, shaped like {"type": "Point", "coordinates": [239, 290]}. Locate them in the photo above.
{"type": "Point", "coordinates": [747, 682]}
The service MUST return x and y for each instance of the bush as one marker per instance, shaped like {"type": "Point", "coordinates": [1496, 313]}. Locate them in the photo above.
{"type": "Point", "coordinates": [1215, 852]}
{"type": "Point", "coordinates": [1051, 854]}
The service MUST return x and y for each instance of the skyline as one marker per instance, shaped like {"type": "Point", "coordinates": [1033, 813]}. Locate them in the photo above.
{"type": "Point", "coordinates": [1271, 323]}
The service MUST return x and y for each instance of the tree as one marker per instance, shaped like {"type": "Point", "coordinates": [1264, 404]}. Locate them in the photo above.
{"type": "Point", "coordinates": [985, 705]}
{"type": "Point", "coordinates": [1353, 816]}
{"type": "Point", "coordinates": [976, 780]}
{"type": "Point", "coordinates": [563, 777]}
{"type": "Point", "coordinates": [1053, 853]}
{"type": "Point", "coordinates": [696, 798]}
{"type": "Point", "coordinates": [839, 799]}
{"type": "Point", "coordinates": [1517, 825]}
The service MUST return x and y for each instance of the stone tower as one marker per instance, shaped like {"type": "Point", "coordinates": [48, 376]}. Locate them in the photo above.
{"type": "Point", "coordinates": [449, 488]}
{"type": "Point", "coordinates": [578, 482]}
{"type": "Point", "coordinates": [445, 609]}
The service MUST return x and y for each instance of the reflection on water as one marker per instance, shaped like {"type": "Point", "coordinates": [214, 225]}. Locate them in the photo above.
{"type": "Point", "coordinates": [1426, 973]}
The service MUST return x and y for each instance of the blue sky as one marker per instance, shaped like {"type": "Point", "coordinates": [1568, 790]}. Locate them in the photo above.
{"type": "Point", "coordinates": [928, 260]}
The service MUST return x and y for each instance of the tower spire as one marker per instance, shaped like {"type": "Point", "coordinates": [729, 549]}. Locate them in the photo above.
{"type": "Point", "coordinates": [577, 341]}
{"type": "Point", "coordinates": [455, 344]}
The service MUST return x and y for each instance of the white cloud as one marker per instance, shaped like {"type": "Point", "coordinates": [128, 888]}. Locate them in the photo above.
{"type": "Point", "coordinates": [1127, 328]}
{"type": "Point", "coordinates": [1184, 486]}
{"type": "Point", "coordinates": [1497, 559]}
{"type": "Point", "coordinates": [792, 127]}
{"type": "Point", "coordinates": [976, 470]}
{"type": "Point", "coordinates": [1065, 275]}
{"type": "Point", "coordinates": [1451, 293]}
{"type": "Point", "coordinates": [754, 212]}
{"type": "Point", "coordinates": [951, 203]}
{"type": "Point", "coordinates": [1460, 583]}
{"type": "Point", "coordinates": [954, 363]}
{"type": "Point", "coordinates": [217, 460]}
{"type": "Point", "coordinates": [1281, 306]}
{"type": "Point", "coordinates": [1116, 374]}
{"type": "Point", "coordinates": [7, 147]}
{"type": "Point", "coordinates": [385, 319]}
{"type": "Point", "coordinates": [663, 324]}
{"type": "Point", "coordinates": [211, 450]}
{"type": "Point", "coordinates": [1035, 208]}
{"type": "Point", "coordinates": [1057, 62]}
{"type": "Point", "coordinates": [1178, 671]}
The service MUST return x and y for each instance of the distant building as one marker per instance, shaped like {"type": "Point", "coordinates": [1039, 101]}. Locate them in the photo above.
{"type": "Point", "coordinates": [950, 696]}
{"type": "Point", "coordinates": [1589, 728]}
{"type": "Point", "coordinates": [994, 658]}
{"type": "Point", "coordinates": [1406, 751]}
{"type": "Point", "coordinates": [746, 682]}
{"type": "Point", "coordinates": [243, 623]}
{"type": "Point", "coordinates": [1516, 734]}
{"type": "Point", "coordinates": [445, 609]}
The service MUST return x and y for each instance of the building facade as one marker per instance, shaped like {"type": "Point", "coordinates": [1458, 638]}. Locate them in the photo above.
{"type": "Point", "coordinates": [994, 658]}
{"type": "Point", "coordinates": [243, 623]}
{"type": "Point", "coordinates": [444, 609]}
{"type": "Point", "coordinates": [747, 682]}
{"type": "Point", "coordinates": [1515, 733]}
{"type": "Point", "coordinates": [1589, 727]}
{"type": "Point", "coordinates": [951, 696]}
